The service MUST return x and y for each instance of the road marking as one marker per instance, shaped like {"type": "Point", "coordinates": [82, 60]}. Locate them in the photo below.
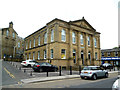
{"type": "Point", "coordinates": [11, 75]}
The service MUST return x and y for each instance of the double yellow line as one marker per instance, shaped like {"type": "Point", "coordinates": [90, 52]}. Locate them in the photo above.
{"type": "Point", "coordinates": [11, 75]}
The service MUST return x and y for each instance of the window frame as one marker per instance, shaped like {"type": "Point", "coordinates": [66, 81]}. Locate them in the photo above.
{"type": "Point", "coordinates": [88, 39]}
{"type": "Point", "coordinates": [45, 54]}
{"type": "Point", "coordinates": [38, 40]}
{"type": "Point", "coordinates": [63, 35]}
{"type": "Point", "coordinates": [45, 38]}
{"type": "Point", "coordinates": [52, 35]}
{"type": "Point", "coordinates": [81, 39]}
{"type": "Point", "coordinates": [62, 54]}
{"type": "Point", "coordinates": [73, 38]}
{"type": "Point", "coordinates": [51, 56]}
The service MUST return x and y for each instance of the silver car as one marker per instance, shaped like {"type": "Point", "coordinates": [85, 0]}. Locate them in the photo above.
{"type": "Point", "coordinates": [93, 72]}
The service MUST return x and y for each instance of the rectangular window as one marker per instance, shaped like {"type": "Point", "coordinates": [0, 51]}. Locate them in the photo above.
{"type": "Point", "coordinates": [116, 54]}
{"type": "Point", "coordinates": [63, 36]}
{"type": "Point", "coordinates": [39, 41]}
{"type": "Point", "coordinates": [81, 39]}
{"type": "Point", "coordinates": [13, 35]}
{"type": "Point", "coordinates": [102, 54]}
{"type": "Point", "coordinates": [18, 44]}
{"type": "Point", "coordinates": [63, 56]}
{"type": "Point", "coordinates": [51, 53]}
{"type": "Point", "coordinates": [88, 41]}
{"type": "Point", "coordinates": [33, 55]}
{"type": "Point", "coordinates": [96, 55]}
{"type": "Point", "coordinates": [95, 42]}
{"type": "Point", "coordinates": [73, 38]}
{"type": "Point", "coordinates": [38, 55]}
{"type": "Point", "coordinates": [30, 44]}
{"type": "Point", "coordinates": [34, 42]}
{"type": "Point", "coordinates": [52, 35]}
{"type": "Point", "coordinates": [45, 54]}
{"type": "Point", "coordinates": [108, 54]}
{"type": "Point", "coordinates": [7, 32]}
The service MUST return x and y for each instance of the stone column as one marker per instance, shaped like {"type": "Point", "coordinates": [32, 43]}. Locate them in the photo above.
{"type": "Point", "coordinates": [79, 49]}
{"type": "Point", "coordinates": [93, 51]}
{"type": "Point", "coordinates": [86, 49]}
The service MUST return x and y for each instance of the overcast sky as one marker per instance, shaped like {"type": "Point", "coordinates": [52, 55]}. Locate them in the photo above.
{"type": "Point", "coordinates": [30, 15]}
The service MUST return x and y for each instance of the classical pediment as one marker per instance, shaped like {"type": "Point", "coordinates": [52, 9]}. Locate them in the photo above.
{"type": "Point", "coordinates": [82, 23]}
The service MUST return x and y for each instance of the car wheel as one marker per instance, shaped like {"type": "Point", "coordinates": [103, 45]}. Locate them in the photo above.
{"type": "Point", "coordinates": [94, 77]}
{"type": "Point", "coordinates": [82, 77]}
{"type": "Point", "coordinates": [29, 65]}
{"type": "Point", "coordinates": [106, 75]}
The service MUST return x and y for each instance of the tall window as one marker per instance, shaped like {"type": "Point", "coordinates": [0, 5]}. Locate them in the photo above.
{"type": "Point", "coordinates": [88, 41]}
{"type": "Point", "coordinates": [73, 37]}
{"type": "Point", "coordinates": [63, 36]}
{"type": "Point", "coordinates": [26, 45]}
{"type": "Point", "coordinates": [63, 54]}
{"type": "Point", "coordinates": [81, 39]}
{"type": "Point", "coordinates": [34, 42]}
{"type": "Point", "coordinates": [18, 44]}
{"type": "Point", "coordinates": [7, 32]}
{"type": "Point", "coordinates": [74, 55]}
{"type": "Point", "coordinates": [95, 42]}
{"type": "Point", "coordinates": [30, 44]}
{"type": "Point", "coordinates": [116, 54]}
{"type": "Point", "coordinates": [29, 55]}
{"type": "Point", "coordinates": [13, 35]}
{"type": "Point", "coordinates": [33, 55]}
{"type": "Point", "coordinates": [96, 57]}
{"type": "Point", "coordinates": [52, 35]}
{"type": "Point", "coordinates": [82, 57]}
{"type": "Point", "coordinates": [45, 38]}
{"type": "Point", "coordinates": [45, 54]}
{"type": "Point", "coordinates": [102, 54]}
{"type": "Point", "coordinates": [39, 41]}
{"type": "Point", "coordinates": [51, 53]}
{"type": "Point", "coordinates": [108, 54]}
{"type": "Point", "coordinates": [38, 55]}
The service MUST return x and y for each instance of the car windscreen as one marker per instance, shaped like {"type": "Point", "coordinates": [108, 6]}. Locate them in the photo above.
{"type": "Point", "coordinates": [87, 68]}
{"type": "Point", "coordinates": [91, 68]}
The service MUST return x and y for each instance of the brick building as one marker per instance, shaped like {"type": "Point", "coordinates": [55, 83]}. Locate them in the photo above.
{"type": "Point", "coordinates": [64, 43]}
{"type": "Point", "coordinates": [111, 56]}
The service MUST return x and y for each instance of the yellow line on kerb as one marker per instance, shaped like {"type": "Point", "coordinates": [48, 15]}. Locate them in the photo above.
{"type": "Point", "coordinates": [11, 75]}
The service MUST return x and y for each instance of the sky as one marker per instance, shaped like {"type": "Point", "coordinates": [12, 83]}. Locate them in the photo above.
{"type": "Point", "coordinates": [30, 15]}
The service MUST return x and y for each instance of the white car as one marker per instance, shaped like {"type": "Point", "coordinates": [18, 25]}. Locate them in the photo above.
{"type": "Point", "coordinates": [116, 85]}
{"type": "Point", "coordinates": [93, 72]}
{"type": "Point", "coordinates": [28, 63]}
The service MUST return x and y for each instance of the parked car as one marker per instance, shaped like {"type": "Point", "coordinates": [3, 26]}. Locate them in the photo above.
{"type": "Point", "coordinates": [116, 85]}
{"type": "Point", "coordinates": [93, 72]}
{"type": "Point", "coordinates": [44, 66]}
{"type": "Point", "coordinates": [107, 66]}
{"type": "Point", "coordinates": [28, 63]}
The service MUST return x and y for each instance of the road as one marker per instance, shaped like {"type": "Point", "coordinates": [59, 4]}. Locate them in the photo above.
{"type": "Point", "coordinates": [11, 75]}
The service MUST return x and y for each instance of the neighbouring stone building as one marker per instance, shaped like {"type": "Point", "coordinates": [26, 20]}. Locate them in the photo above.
{"type": "Point", "coordinates": [64, 43]}
{"type": "Point", "coordinates": [8, 41]}
{"type": "Point", "coordinates": [111, 56]}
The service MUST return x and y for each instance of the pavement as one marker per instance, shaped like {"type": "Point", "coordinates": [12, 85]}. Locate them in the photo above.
{"type": "Point", "coordinates": [42, 79]}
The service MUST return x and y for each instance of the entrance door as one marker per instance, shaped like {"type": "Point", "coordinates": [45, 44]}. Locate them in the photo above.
{"type": "Point", "coordinates": [82, 57]}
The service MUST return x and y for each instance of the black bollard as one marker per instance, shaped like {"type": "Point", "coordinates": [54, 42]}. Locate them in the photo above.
{"type": "Point", "coordinates": [31, 73]}
{"type": "Point", "coordinates": [70, 70]}
{"type": "Point", "coordinates": [110, 68]}
{"type": "Point", "coordinates": [59, 70]}
{"type": "Point", "coordinates": [114, 68]}
{"type": "Point", "coordinates": [24, 70]}
{"type": "Point", "coordinates": [19, 68]}
{"type": "Point", "coordinates": [79, 70]}
{"type": "Point", "coordinates": [47, 73]}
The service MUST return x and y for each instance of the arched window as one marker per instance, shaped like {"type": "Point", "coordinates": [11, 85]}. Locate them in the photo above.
{"type": "Point", "coordinates": [63, 36]}
{"type": "Point", "coordinates": [45, 38]}
{"type": "Point", "coordinates": [73, 38]}
{"type": "Point", "coordinates": [52, 35]}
